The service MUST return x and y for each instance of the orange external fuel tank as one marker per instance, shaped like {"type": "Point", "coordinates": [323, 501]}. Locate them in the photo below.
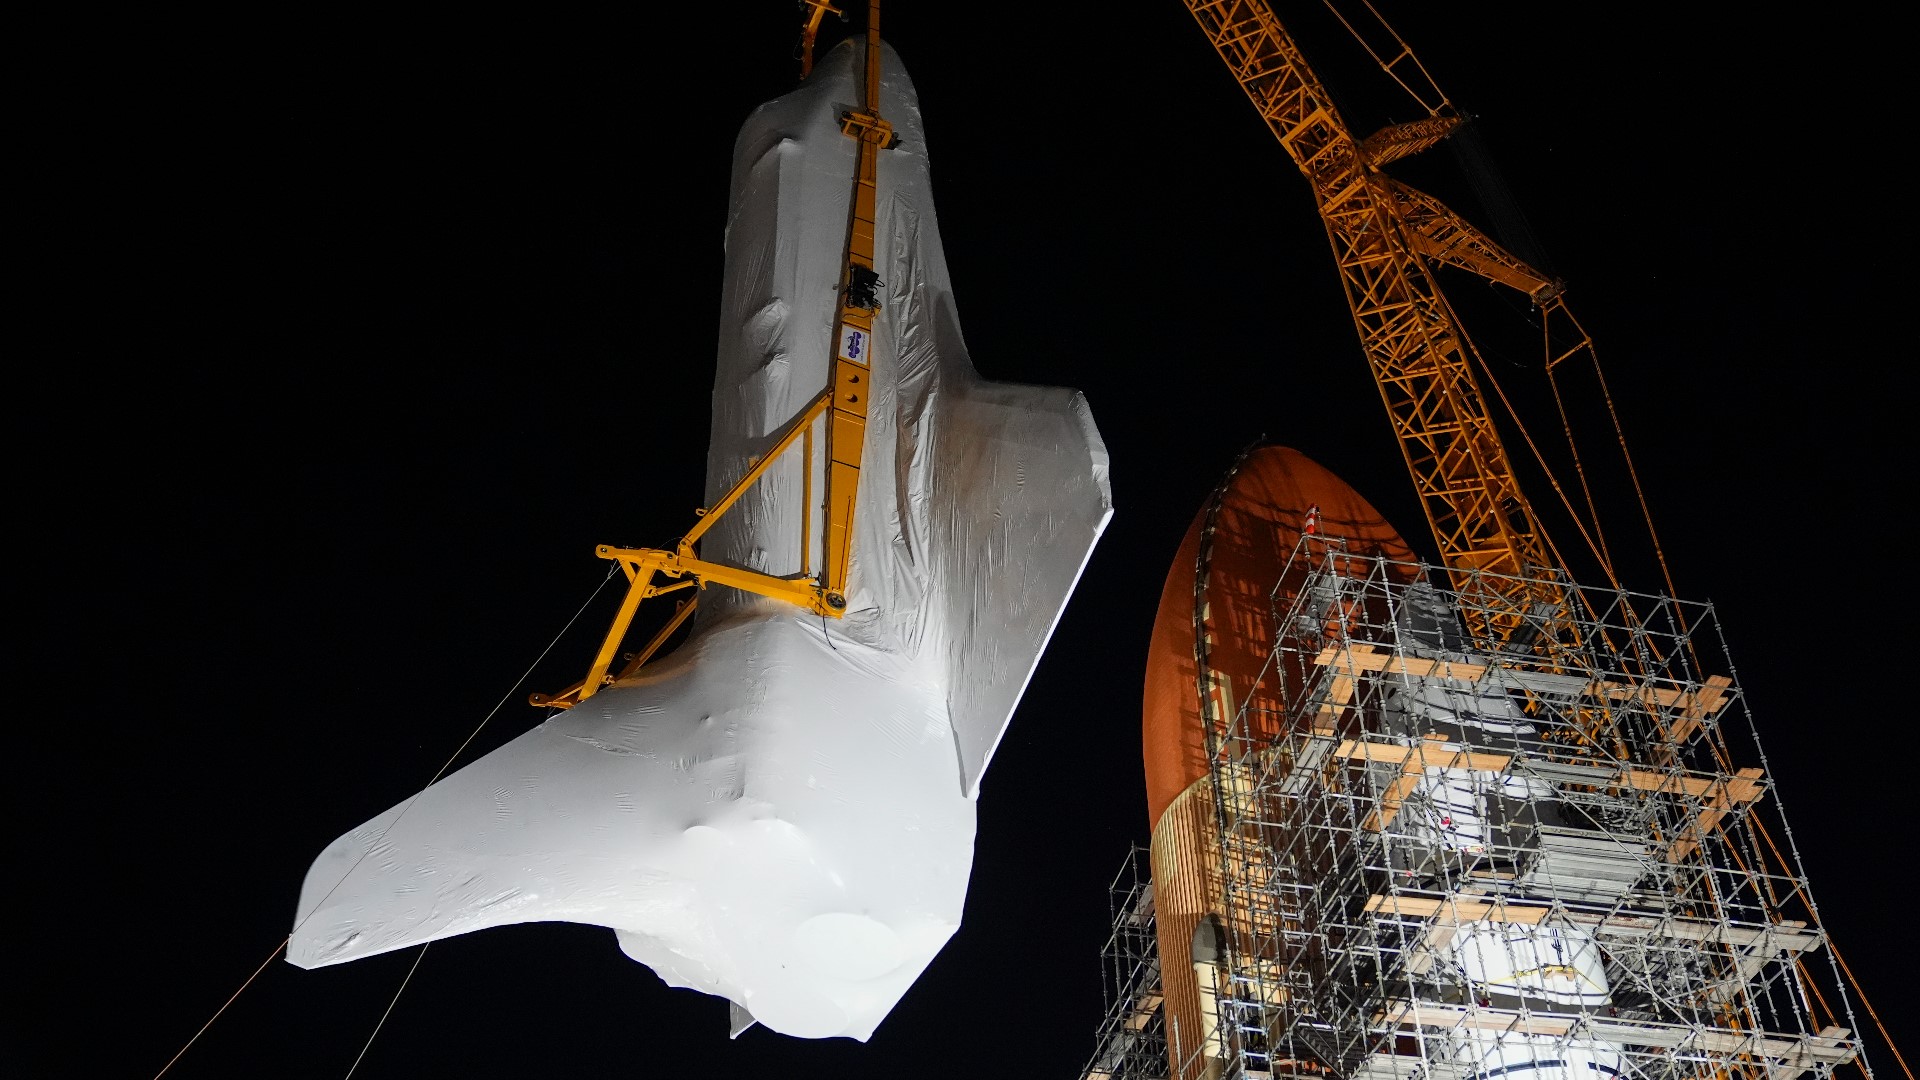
{"type": "Point", "coordinates": [1239, 546]}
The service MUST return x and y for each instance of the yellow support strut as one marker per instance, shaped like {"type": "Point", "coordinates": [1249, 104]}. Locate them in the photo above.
{"type": "Point", "coordinates": [681, 568]}
{"type": "Point", "coordinates": [816, 10]}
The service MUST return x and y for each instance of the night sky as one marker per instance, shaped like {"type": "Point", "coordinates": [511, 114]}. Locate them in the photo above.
{"type": "Point", "coordinates": [352, 336]}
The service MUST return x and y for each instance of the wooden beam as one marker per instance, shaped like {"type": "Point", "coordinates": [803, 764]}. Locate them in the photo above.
{"type": "Point", "coordinates": [1689, 702]}
{"type": "Point", "coordinates": [1390, 803]}
{"type": "Point", "coordinates": [1395, 664]}
{"type": "Point", "coordinates": [1327, 718]}
{"type": "Point", "coordinates": [1144, 1009]}
{"type": "Point", "coordinates": [1433, 750]}
{"type": "Point", "coordinates": [1457, 910]}
{"type": "Point", "coordinates": [1414, 761]}
{"type": "Point", "coordinates": [1693, 705]}
{"type": "Point", "coordinates": [1711, 697]}
{"type": "Point", "coordinates": [1722, 793]}
{"type": "Point", "coordinates": [1791, 935]}
{"type": "Point", "coordinates": [1434, 944]}
{"type": "Point", "coordinates": [1740, 789]}
{"type": "Point", "coordinates": [1743, 788]}
{"type": "Point", "coordinates": [1828, 1047]}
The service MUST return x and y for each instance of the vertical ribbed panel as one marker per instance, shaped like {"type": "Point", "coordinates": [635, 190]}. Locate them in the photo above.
{"type": "Point", "coordinates": [1186, 887]}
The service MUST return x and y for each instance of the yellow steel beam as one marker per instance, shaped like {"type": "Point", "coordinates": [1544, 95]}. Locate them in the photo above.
{"type": "Point", "coordinates": [853, 330]}
{"type": "Point", "coordinates": [1443, 236]}
{"type": "Point", "coordinates": [681, 614]}
{"type": "Point", "coordinates": [801, 425]}
{"type": "Point", "coordinates": [816, 10]}
{"type": "Point", "coordinates": [641, 564]}
{"type": "Point", "coordinates": [644, 568]}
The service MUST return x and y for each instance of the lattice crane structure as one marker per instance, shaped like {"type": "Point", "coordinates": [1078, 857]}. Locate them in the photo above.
{"type": "Point", "coordinates": [1384, 234]}
{"type": "Point", "coordinates": [1468, 822]}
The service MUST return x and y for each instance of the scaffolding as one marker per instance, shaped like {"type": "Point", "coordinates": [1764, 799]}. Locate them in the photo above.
{"type": "Point", "coordinates": [1532, 858]}
{"type": "Point", "coordinates": [1132, 1040]}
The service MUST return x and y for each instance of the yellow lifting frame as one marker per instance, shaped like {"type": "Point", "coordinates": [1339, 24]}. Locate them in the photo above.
{"type": "Point", "coordinates": [654, 571]}
{"type": "Point", "coordinates": [682, 568]}
{"type": "Point", "coordinates": [816, 10]}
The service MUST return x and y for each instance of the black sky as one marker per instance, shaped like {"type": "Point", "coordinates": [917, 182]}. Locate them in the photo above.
{"type": "Point", "coordinates": [352, 335]}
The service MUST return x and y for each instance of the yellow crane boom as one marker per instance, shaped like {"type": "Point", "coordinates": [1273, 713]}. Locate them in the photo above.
{"type": "Point", "coordinates": [1383, 233]}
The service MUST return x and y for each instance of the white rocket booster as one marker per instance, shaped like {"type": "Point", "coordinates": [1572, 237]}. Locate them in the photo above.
{"type": "Point", "coordinates": [781, 812]}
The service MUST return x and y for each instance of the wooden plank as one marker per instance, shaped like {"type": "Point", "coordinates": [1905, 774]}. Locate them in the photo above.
{"type": "Point", "coordinates": [1752, 947]}
{"type": "Point", "coordinates": [1802, 1049]}
{"type": "Point", "coordinates": [1692, 704]}
{"type": "Point", "coordinates": [1695, 704]}
{"type": "Point", "coordinates": [1437, 942]}
{"type": "Point", "coordinates": [1722, 793]}
{"type": "Point", "coordinates": [1414, 761]}
{"type": "Point", "coordinates": [1686, 700]}
{"type": "Point", "coordinates": [1791, 935]}
{"type": "Point", "coordinates": [1669, 783]}
{"type": "Point", "coordinates": [1744, 787]}
{"type": "Point", "coordinates": [1433, 752]}
{"type": "Point", "coordinates": [1144, 1009]}
{"type": "Point", "coordinates": [1456, 911]}
{"type": "Point", "coordinates": [1394, 664]}
{"type": "Point", "coordinates": [1390, 802]}
{"type": "Point", "coordinates": [1340, 693]}
{"type": "Point", "coordinates": [1711, 697]}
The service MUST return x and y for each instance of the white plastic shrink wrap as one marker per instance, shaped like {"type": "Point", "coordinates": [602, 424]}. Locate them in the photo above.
{"type": "Point", "coordinates": [780, 812]}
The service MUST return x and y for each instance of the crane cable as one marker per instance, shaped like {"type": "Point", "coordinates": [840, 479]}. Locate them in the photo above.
{"type": "Point", "coordinates": [1861, 991]}
{"type": "Point", "coordinates": [1722, 756]}
{"type": "Point", "coordinates": [223, 1007]}
{"type": "Point", "coordinates": [1599, 549]}
{"type": "Point", "coordinates": [1833, 947]}
{"type": "Point", "coordinates": [1719, 749]}
{"type": "Point", "coordinates": [611, 571]}
{"type": "Point", "coordinates": [1573, 448]}
{"type": "Point", "coordinates": [1486, 369]}
{"type": "Point", "coordinates": [1620, 436]}
{"type": "Point", "coordinates": [421, 955]}
{"type": "Point", "coordinates": [1406, 53]}
{"type": "Point", "coordinates": [1597, 541]}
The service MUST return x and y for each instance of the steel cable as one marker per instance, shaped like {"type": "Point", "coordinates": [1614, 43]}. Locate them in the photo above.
{"type": "Point", "coordinates": [396, 820]}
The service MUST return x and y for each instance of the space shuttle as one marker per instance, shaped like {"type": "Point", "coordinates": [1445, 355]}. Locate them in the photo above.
{"type": "Point", "coordinates": [780, 812]}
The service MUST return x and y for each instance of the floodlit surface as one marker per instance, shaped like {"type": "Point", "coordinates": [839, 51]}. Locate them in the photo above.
{"type": "Point", "coordinates": [781, 812]}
